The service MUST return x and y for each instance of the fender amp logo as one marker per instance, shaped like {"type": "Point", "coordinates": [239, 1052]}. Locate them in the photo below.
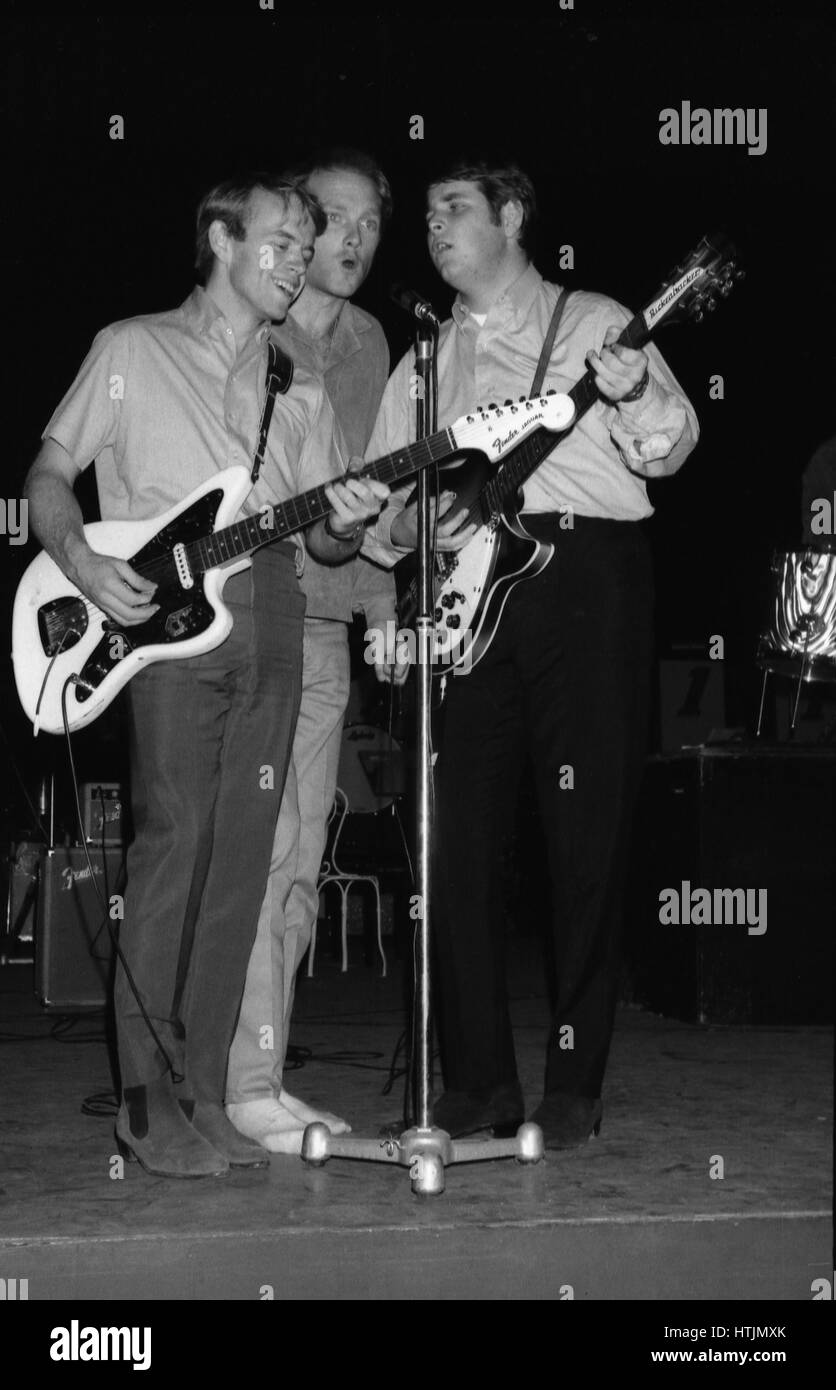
{"type": "Point", "coordinates": [70, 876]}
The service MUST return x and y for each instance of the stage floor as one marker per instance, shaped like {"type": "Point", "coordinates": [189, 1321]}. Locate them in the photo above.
{"type": "Point", "coordinates": [636, 1214]}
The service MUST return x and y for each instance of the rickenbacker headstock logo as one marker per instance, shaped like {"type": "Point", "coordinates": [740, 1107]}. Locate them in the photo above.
{"type": "Point", "coordinates": [672, 294]}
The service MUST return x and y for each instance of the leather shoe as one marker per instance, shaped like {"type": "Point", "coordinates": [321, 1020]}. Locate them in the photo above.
{"type": "Point", "coordinates": [152, 1129]}
{"type": "Point", "coordinates": [498, 1108]}
{"type": "Point", "coordinates": [567, 1121]}
{"type": "Point", "coordinates": [209, 1120]}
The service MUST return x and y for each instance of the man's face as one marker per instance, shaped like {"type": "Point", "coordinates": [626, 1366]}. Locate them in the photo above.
{"type": "Point", "coordinates": [466, 246]}
{"type": "Point", "coordinates": [267, 269]}
{"type": "Point", "coordinates": [345, 251]}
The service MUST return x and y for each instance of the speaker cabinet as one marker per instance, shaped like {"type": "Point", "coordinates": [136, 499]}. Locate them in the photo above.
{"type": "Point", "coordinates": [73, 948]}
{"type": "Point", "coordinates": [735, 817]}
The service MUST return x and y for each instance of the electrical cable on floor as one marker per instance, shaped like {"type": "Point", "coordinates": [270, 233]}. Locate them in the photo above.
{"type": "Point", "coordinates": [102, 1105]}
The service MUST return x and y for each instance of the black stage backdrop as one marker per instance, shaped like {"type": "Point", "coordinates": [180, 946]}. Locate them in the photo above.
{"type": "Point", "coordinates": [100, 229]}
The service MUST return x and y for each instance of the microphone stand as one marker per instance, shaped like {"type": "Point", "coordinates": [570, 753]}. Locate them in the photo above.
{"type": "Point", "coordinates": [425, 1150]}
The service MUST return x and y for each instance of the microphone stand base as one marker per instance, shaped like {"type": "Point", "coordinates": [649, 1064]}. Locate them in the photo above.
{"type": "Point", "coordinates": [425, 1152]}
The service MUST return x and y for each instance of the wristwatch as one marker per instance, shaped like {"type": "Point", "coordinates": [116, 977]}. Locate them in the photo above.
{"type": "Point", "coordinates": [638, 390]}
{"type": "Point", "coordinates": [352, 535]}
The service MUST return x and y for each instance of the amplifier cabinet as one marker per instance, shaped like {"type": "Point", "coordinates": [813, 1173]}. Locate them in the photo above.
{"type": "Point", "coordinates": [103, 807]}
{"type": "Point", "coordinates": [735, 817]}
{"type": "Point", "coordinates": [73, 948]}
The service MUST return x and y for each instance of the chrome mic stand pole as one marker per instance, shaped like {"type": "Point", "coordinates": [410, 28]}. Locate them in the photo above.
{"type": "Point", "coordinates": [426, 343]}
{"type": "Point", "coordinates": [424, 1149]}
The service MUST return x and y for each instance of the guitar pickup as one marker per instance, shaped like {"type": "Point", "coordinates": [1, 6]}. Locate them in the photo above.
{"type": "Point", "coordinates": [184, 572]}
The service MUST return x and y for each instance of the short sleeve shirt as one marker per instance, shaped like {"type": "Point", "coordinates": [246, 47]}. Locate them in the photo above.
{"type": "Point", "coordinates": [164, 401]}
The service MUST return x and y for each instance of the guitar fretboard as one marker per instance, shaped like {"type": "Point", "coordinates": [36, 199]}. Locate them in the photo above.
{"type": "Point", "coordinates": [243, 537]}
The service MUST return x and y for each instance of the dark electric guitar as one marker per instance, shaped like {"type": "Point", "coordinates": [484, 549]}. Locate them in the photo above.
{"type": "Point", "coordinates": [472, 585]}
{"type": "Point", "coordinates": [59, 636]}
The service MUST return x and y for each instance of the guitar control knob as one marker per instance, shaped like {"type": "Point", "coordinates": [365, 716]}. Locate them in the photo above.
{"type": "Point", "coordinates": [454, 620]}
{"type": "Point", "coordinates": [457, 597]}
{"type": "Point", "coordinates": [447, 600]}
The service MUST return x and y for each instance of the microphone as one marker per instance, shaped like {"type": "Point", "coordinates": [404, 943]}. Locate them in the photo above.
{"type": "Point", "coordinates": [413, 304]}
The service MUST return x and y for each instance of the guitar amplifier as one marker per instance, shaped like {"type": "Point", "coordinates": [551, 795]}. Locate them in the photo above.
{"type": "Point", "coordinates": [73, 947]}
{"type": "Point", "coordinates": [691, 701]}
{"type": "Point", "coordinates": [725, 818]}
{"type": "Point", "coordinates": [102, 813]}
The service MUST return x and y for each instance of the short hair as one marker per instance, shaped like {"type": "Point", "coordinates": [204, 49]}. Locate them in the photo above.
{"type": "Point", "coordinates": [499, 184]}
{"type": "Point", "coordinates": [353, 161]}
{"type": "Point", "coordinates": [229, 202]}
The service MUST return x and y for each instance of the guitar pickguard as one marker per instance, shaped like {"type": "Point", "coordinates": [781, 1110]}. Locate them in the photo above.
{"type": "Point", "coordinates": [184, 611]}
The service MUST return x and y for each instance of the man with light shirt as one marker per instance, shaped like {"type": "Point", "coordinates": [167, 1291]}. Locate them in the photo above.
{"type": "Point", "coordinates": [328, 334]}
{"type": "Point", "coordinates": [162, 403]}
{"type": "Point", "coordinates": [565, 679]}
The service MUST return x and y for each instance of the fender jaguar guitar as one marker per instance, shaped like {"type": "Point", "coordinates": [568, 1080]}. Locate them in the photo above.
{"type": "Point", "coordinates": [59, 636]}
{"type": "Point", "coordinates": [472, 585]}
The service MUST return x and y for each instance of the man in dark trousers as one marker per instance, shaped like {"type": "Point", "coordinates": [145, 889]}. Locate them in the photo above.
{"type": "Point", "coordinates": [566, 677]}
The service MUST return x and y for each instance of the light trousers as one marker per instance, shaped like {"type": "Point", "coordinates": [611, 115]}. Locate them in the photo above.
{"type": "Point", "coordinates": [291, 901]}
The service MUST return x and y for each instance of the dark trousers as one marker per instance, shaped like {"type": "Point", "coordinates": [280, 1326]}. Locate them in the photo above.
{"type": "Point", "coordinates": [566, 681]}
{"type": "Point", "coordinates": [210, 741]}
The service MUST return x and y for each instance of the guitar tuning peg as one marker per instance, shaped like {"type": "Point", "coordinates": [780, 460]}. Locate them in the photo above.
{"type": "Point", "coordinates": [552, 392]}
{"type": "Point", "coordinates": [508, 402]}
{"type": "Point", "coordinates": [522, 400]}
{"type": "Point", "coordinates": [493, 406]}
{"type": "Point", "coordinates": [711, 305]}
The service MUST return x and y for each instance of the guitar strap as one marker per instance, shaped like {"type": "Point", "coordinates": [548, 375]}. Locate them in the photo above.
{"type": "Point", "coordinates": [279, 377]}
{"type": "Point", "coordinates": [548, 343]}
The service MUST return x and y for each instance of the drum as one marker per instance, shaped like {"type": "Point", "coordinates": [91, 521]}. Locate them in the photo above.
{"type": "Point", "coordinates": [802, 638]}
{"type": "Point", "coordinates": [371, 771]}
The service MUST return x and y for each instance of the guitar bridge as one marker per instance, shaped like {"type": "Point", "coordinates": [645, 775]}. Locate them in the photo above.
{"type": "Point", "coordinates": [61, 624]}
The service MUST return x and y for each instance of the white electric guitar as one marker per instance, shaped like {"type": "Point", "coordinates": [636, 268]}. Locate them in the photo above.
{"type": "Point", "coordinates": [61, 642]}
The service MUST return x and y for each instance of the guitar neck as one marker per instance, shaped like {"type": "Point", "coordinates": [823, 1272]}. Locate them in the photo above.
{"type": "Point", "coordinates": [273, 523]}
{"type": "Point", "coordinates": [530, 453]}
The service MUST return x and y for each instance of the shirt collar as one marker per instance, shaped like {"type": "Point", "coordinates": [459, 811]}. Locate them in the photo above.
{"type": "Point", "coordinates": [515, 302]}
{"type": "Point", "coordinates": [202, 313]}
{"type": "Point", "coordinates": [350, 323]}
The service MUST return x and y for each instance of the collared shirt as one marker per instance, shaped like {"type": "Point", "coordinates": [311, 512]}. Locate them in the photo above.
{"type": "Point", "coordinates": [353, 362]}
{"type": "Point", "coordinates": [164, 401]}
{"type": "Point", "coordinates": [599, 469]}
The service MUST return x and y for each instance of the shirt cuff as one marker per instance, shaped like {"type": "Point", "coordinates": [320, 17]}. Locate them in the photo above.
{"type": "Point", "coordinates": [377, 542]}
{"type": "Point", "coordinates": [647, 429]}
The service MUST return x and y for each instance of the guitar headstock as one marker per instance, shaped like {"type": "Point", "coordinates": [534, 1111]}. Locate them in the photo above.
{"type": "Point", "coordinates": [695, 287]}
{"type": "Point", "coordinates": [495, 429]}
